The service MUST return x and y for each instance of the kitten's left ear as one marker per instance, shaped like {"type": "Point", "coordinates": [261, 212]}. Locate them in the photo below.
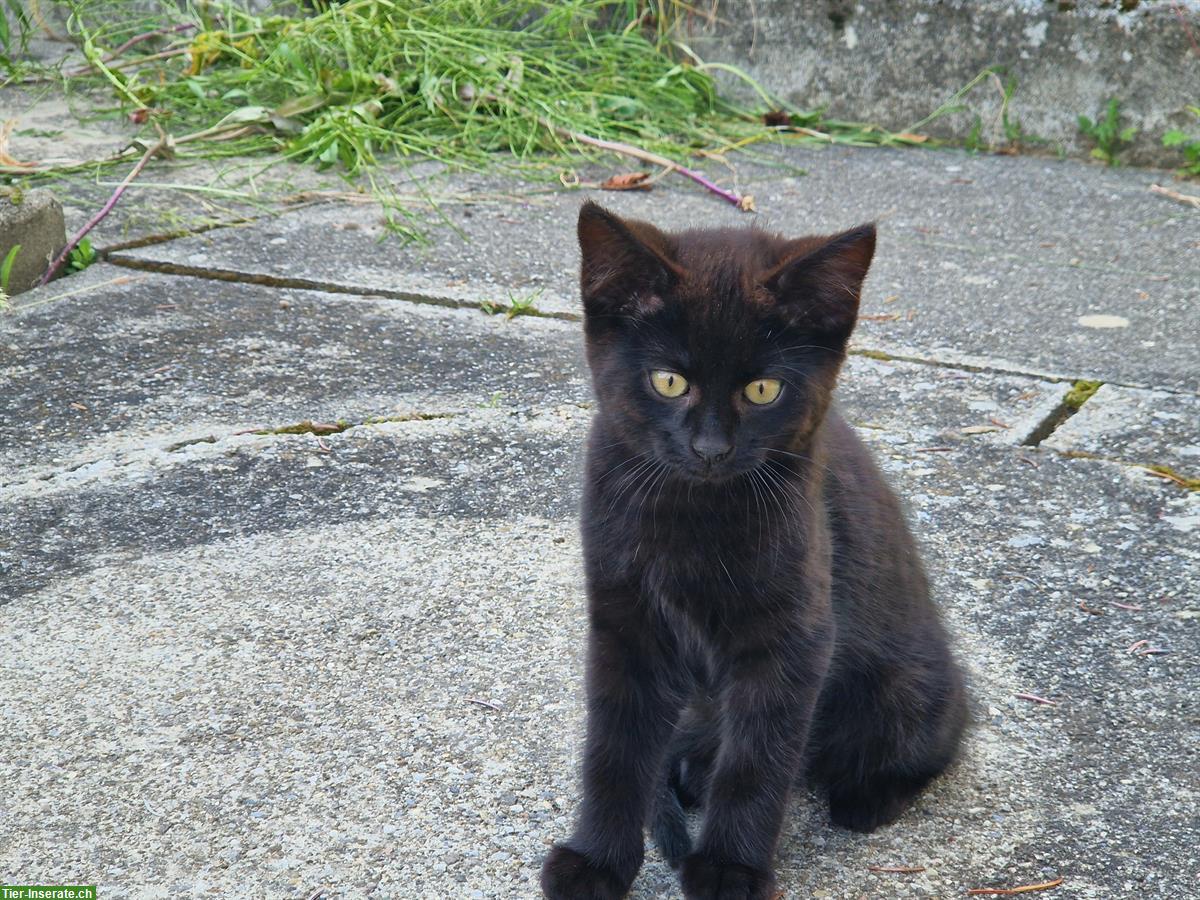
{"type": "Point", "coordinates": [821, 286]}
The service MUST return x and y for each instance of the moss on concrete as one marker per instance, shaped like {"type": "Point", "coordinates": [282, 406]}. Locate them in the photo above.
{"type": "Point", "coordinates": [873, 354]}
{"type": "Point", "coordinates": [1080, 392]}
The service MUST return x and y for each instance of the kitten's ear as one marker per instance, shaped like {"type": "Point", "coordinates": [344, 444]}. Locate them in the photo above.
{"type": "Point", "coordinates": [625, 263]}
{"type": "Point", "coordinates": [821, 285]}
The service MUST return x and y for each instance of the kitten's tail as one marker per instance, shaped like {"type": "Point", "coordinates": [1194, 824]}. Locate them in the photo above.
{"type": "Point", "coordinates": [669, 825]}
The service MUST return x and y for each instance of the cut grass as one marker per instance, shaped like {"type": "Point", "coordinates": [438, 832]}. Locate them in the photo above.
{"type": "Point", "coordinates": [468, 83]}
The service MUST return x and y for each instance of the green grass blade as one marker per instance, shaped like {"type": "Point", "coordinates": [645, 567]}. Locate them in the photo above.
{"type": "Point", "coordinates": [7, 266]}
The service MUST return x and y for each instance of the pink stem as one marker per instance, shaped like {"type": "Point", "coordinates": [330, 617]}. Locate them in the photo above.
{"type": "Point", "coordinates": [653, 158]}
{"type": "Point", "coordinates": [732, 197]}
{"type": "Point", "coordinates": [104, 211]}
{"type": "Point", "coordinates": [136, 39]}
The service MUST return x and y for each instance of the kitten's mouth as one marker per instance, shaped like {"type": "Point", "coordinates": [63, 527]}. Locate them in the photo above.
{"type": "Point", "coordinates": [709, 474]}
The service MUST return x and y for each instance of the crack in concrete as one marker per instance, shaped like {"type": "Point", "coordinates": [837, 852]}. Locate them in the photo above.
{"type": "Point", "coordinates": [1051, 423]}
{"type": "Point", "coordinates": [307, 426]}
{"type": "Point", "coordinates": [309, 284]}
{"type": "Point", "coordinates": [428, 299]}
{"type": "Point", "coordinates": [1070, 405]}
{"type": "Point", "coordinates": [982, 368]}
{"type": "Point", "coordinates": [164, 237]}
{"type": "Point", "coordinates": [179, 445]}
{"type": "Point", "coordinates": [145, 454]}
{"type": "Point", "coordinates": [1081, 392]}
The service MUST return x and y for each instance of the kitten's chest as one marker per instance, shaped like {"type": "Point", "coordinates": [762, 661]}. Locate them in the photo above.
{"type": "Point", "coordinates": [688, 554]}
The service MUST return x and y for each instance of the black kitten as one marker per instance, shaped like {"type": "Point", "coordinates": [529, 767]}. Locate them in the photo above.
{"type": "Point", "coordinates": [758, 611]}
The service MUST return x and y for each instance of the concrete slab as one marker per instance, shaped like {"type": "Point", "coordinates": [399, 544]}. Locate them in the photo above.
{"type": "Point", "coordinates": [1149, 427]}
{"type": "Point", "coordinates": [248, 671]}
{"type": "Point", "coordinates": [173, 198]}
{"type": "Point", "coordinates": [944, 408]}
{"type": "Point", "coordinates": [50, 126]}
{"type": "Point", "coordinates": [274, 645]}
{"type": "Point", "coordinates": [141, 364]}
{"type": "Point", "coordinates": [349, 661]}
{"type": "Point", "coordinates": [1020, 261]}
{"type": "Point", "coordinates": [148, 361]}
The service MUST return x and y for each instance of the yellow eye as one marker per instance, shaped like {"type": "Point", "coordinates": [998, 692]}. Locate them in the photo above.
{"type": "Point", "coordinates": [763, 391]}
{"type": "Point", "coordinates": [669, 384]}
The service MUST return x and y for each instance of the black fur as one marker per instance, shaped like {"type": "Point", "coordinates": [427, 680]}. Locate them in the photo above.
{"type": "Point", "coordinates": [758, 611]}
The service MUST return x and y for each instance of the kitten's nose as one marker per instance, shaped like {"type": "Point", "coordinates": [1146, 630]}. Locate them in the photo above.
{"type": "Point", "coordinates": [712, 448]}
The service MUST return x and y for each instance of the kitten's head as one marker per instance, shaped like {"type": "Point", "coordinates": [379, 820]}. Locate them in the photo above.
{"type": "Point", "coordinates": [715, 349]}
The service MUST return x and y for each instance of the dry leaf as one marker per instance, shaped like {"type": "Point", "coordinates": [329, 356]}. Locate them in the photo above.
{"type": "Point", "coordinates": [979, 429]}
{"type": "Point", "coordinates": [5, 132]}
{"type": "Point", "coordinates": [629, 181]}
{"type": "Point", "coordinates": [746, 204]}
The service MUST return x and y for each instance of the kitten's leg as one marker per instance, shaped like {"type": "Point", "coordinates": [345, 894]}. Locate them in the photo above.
{"type": "Point", "coordinates": [766, 709]}
{"type": "Point", "coordinates": [883, 737]}
{"type": "Point", "coordinates": [631, 713]}
{"type": "Point", "coordinates": [669, 826]}
{"type": "Point", "coordinates": [693, 749]}
{"type": "Point", "coordinates": [685, 779]}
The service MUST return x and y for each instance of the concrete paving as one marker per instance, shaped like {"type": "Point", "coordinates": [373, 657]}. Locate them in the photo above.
{"type": "Point", "coordinates": [1016, 259]}
{"type": "Point", "coordinates": [290, 590]}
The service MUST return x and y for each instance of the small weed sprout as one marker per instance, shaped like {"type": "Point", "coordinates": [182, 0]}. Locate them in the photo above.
{"type": "Point", "coordinates": [82, 256]}
{"type": "Point", "coordinates": [522, 306]}
{"type": "Point", "coordinates": [1107, 133]}
{"type": "Point", "coordinates": [516, 306]}
{"type": "Point", "coordinates": [1002, 132]}
{"type": "Point", "coordinates": [1188, 145]}
{"type": "Point", "coordinates": [1014, 131]}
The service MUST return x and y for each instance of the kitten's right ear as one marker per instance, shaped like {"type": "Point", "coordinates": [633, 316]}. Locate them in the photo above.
{"type": "Point", "coordinates": [626, 264]}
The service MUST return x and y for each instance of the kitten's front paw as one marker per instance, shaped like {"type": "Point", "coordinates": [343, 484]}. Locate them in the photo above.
{"type": "Point", "coordinates": [568, 875]}
{"type": "Point", "coordinates": [706, 880]}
